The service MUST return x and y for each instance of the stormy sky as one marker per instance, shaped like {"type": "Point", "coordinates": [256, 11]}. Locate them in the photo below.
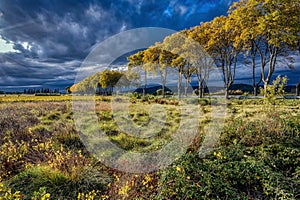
{"type": "Point", "coordinates": [43, 42]}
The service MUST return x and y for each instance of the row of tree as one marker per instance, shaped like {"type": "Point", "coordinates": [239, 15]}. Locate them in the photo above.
{"type": "Point", "coordinates": [263, 32]}
{"type": "Point", "coordinates": [41, 91]}
{"type": "Point", "coordinates": [104, 82]}
{"type": "Point", "coordinates": [177, 51]}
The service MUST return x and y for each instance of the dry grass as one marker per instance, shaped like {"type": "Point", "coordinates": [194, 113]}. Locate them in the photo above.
{"type": "Point", "coordinates": [40, 134]}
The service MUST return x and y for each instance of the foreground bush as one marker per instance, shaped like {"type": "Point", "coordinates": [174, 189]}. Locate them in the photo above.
{"type": "Point", "coordinates": [56, 183]}
{"type": "Point", "coordinates": [253, 160]}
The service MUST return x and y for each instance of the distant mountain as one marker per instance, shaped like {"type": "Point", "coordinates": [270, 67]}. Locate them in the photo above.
{"type": "Point", "coordinates": [242, 87]}
{"type": "Point", "coordinates": [151, 89]}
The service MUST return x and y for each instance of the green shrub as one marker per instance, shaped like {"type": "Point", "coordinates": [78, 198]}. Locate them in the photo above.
{"type": "Point", "coordinates": [37, 179]}
{"type": "Point", "coordinates": [135, 95]}
{"type": "Point", "coordinates": [70, 140]}
{"type": "Point", "coordinates": [271, 129]}
{"type": "Point", "coordinates": [7, 194]}
{"type": "Point", "coordinates": [127, 142]}
{"type": "Point", "coordinates": [204, 102]}
{"type": "Point", "coordinates": [53, 116]}
{"type": "Point", "coordinates": [235, 172]}
{"type": "Point", "coordinates": [42, 194]}
{"type": "Point", "coordinates": [34, 178]}
{"type": "Point", "coordinates": [275, 90]}
{"type": "Point", "coordinates": [236, 92]}
{"type": "Point", "coordinates": [252, 160]}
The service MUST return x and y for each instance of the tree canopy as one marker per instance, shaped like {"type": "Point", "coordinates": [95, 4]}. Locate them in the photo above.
{"type": "Point", "coordinates": [259, 30]}
{"type": "Point", "coordinates": [265, 28]}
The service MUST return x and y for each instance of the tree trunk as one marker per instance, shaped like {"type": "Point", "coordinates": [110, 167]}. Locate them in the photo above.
{"type": "Point", "coordinates": [253, 54]}
{"type": "Point", "coordinates": [145, 86]}
{"type": "Point", "coordinates": [298, 89]}
{"type": "Point", "coordinates": [255, 90]}
{"type": "Point", "coordinates": [179, 84]}
{"type": "Point", "coordinates": [163, 81]}
{"type": "Point", "coordinates": [272, 63]}
{"type": "Point", "coordinates": [253, 78]}
{"type": "Point", "coordinates": [164, 89]}
{"type": "Point", "coordinates": [200, 90]}
{"type": "Point", "coordinates": [186, 87]}
{"type": "Point", "coordinates": [265, 88]}
{"type": "Point", "coordinates": [227, 91]}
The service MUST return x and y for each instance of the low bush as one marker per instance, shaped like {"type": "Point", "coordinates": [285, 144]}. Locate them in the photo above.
{"type": "Point", "coordinates": [252, 160]}
{"type": "Point", "coordinates": [36, 177]}
{"type": "Point", "coordinates": [56, 183]}
{"type": "Point", "coordinates": [236, 92]}
{"type": "Point", "coordinates": [235, 172]}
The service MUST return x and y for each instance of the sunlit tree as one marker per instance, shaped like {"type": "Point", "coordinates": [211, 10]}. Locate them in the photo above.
{"type": "Point", "coordinates": [243, 16]}
{"type": "Point", "coordinates": [280, 28]}
{"type": "Point", "coordinates": [109, 79]}
{"type": "Point", "coordinates": [137, 61]}
{"type": "Point", "coordinates": [270, 28]}
{"type": "Point", "coordinates": [223, 47]}
{"type": "Point", "coordinates": [202, 63]}
{"type": "Point", "coordinates": [174, 44]}
{"type": "Point", "coordinates": [165, 62]}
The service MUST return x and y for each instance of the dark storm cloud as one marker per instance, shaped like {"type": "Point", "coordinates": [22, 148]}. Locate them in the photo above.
{"type": "Point", "coordinates": [17, 70]}
{"type": "Point", "coordinates": [282, 68]}
{"type": "Point", "coordinates": [67, 29]}
{"type": "Point", "coordinates": [52, 37]}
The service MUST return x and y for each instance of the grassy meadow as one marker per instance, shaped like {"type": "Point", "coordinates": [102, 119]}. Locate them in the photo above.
{"type": "Point", "coordinates": [43, 157]}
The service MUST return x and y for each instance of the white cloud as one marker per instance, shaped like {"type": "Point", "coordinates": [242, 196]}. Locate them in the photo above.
{"type": "Point", "coordinates": [6, 47]}
{"type": "Point", "coordinates": [182, 10]}
{"type": "Point", "coordinates": [95, 11]}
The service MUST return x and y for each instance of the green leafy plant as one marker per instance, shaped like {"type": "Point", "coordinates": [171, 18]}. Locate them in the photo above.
{"type": "Point", "coordinates": [275, 90]}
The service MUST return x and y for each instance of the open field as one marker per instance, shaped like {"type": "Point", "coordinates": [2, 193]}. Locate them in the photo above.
{"type": "Point", "coordinates": [257, 155]}
{"type": "Point", "coordinates": [32, 98]}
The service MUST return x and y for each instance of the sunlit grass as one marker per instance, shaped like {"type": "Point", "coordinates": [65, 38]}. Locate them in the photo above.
{"type": "Point", "coordinates": [33, 98]}
{"type": "Point", "coordinates": [41, 144]}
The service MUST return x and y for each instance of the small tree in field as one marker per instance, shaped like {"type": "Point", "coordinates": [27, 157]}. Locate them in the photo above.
{"type": "Point", "coordinates": [275, 90]}
{"type": "Point", "coordinates": [109, 79]}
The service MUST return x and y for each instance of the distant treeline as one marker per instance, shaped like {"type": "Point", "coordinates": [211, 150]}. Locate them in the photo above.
{"type": "Point", "coordinates": [39, 91]}
{"type": "Point", "coordinates": [34, 91]}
